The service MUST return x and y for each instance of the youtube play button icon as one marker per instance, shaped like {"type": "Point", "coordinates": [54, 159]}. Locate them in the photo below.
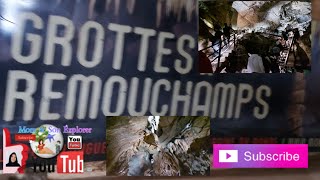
{"type": "Point", "coordinates": [230, 156]}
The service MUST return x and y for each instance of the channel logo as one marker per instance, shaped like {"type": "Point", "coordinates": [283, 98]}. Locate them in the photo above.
{"type": "Point", "coordinates": [74, 142]}
{"type": "Point", "coordinates": [260, 155]}
{"type": "Point", "coordinates": [70, 162]}
{"type": "Point", "coordinates": [228, 156]}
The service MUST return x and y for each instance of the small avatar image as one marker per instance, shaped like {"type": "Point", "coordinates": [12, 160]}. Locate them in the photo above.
{"type": "Point", "coordinates": [13, 160]}
{"type": "Point", "coordinates": [43, 150]}
{"type": "Point", "coordinates": [48, 142]}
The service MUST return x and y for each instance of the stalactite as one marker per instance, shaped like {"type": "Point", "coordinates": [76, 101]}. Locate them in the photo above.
{"type": "Point", "coordinates": [131, 5]}
{"type": "Point", "coordinates": [176, 7]}
{"type": "Point", "coordinates": [91, 8]}
{"type": "Point", "coordinates": [116, 4]}
{"type": "Point", "coordinates": [169, 7]}
{"type": "Point", "coordinates": [190, 7]}
{"type": "Point", "coordinates": [108, 4]}
{"type": "Point", "coordinates": [117, 7]}
{"type": "Point", "coordinates": [159, 12]}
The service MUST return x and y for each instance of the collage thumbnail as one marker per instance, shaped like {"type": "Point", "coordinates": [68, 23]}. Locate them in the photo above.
{"type": "Point", "coordinates": [254, 36]}
{"type": "Point", "coordinates": [158, 146]}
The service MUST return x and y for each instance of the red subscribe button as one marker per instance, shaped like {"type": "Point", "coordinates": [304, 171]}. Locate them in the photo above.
{"type": "Point", "coordinates": [24, 137]}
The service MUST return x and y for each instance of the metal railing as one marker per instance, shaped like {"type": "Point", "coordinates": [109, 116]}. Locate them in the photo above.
{"type": "Point", "coordinates": [232, 39]}
{"type": "Point", "coordinates": [285, 62]}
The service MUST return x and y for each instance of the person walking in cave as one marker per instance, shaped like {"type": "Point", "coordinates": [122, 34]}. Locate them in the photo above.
{"type": "Point", "coordinates": [151, 164]}
{"type": "Point", "coordinates": [227, 32]}
{"type": "Point", "coordinates": [216, 39]}
{"type": "Point", "coordinates": [255, 63]}
{"type": "Point", "coordinates": [279, 45]}
{"type": "Point", "coordinates": [153, 123]}
{"type": "Point", "coordinates": [296, 37]}
{"type": "Point", "coordinates": [296, 34]}
{"type": "Point", "coordinates": [285, 38]}
{"type": "Point", "coordinates": [151, 158]}
{"type": "Point", "coordinates": [273, 58]}
{"type": "Point", "coordinates": [266, 63]}
{"type": "Point", "coordinates": [288, 28]}
{"type": "Point", "coordinates": [285, 13]}
{"type": "Point", "coordinates": [204, 63]}
{"type": "Point", "coordinates": [285, 35]}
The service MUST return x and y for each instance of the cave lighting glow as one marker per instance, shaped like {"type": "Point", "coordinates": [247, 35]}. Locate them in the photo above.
{"type": "Point", "coordinates": [10, 12]}
{"type": "Point", "coordinates": [207, 23]}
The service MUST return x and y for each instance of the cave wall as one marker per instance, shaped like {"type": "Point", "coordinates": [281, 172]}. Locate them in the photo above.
{"type": "Point", "coordinates": [123, 135]}
{"type": "Point", "coordinates": [180, 146]}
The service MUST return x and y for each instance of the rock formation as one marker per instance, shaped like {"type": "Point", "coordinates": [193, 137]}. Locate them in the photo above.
{"type": "Point", "coordinates": [180, 146]}
{"type": "Point", "coordinates": [263, 15]}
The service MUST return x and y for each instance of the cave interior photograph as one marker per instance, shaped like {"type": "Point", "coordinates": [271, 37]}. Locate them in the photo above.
{"type": "Point", "coordinates": [158, 146]}
{"type": "Point", "coordinates": [254, 36]}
